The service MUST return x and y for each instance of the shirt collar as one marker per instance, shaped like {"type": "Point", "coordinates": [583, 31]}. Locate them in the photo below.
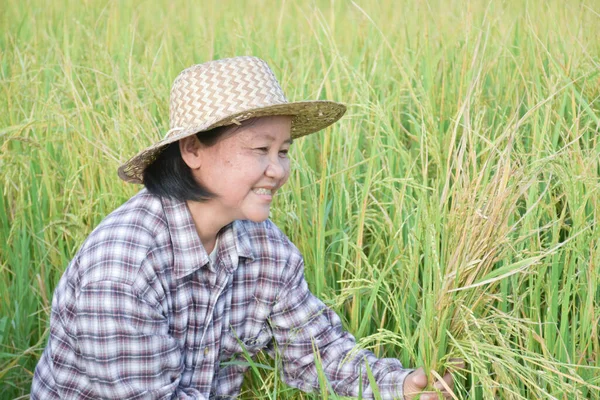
{"type": "Point", "coordinates": [189, 254]}
{"type": "Point", "coordinates": [242, 240]}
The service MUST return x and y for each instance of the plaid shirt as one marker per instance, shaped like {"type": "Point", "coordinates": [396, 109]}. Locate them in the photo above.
{"type": "Point", "coordinates": [141, 313]}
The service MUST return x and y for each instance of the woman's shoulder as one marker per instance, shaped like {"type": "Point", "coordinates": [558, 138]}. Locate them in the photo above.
{"type": "Point", "coordinates": [124, 238]}
{"type": "Point", "coordinates": [142, 215]}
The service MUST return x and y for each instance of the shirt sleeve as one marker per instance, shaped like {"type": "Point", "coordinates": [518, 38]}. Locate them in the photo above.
{"type": "Point", "coordinates": [301, 323]}
{"type": "Point", "coordinates": [125, 346]}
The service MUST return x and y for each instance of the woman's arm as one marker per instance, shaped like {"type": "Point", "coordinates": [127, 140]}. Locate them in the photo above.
{"type": "Point", "coordinates": [301, 323]}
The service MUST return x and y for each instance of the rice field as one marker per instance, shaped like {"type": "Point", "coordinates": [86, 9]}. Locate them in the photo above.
{"type": "Point", "coordinates": [453, 212]}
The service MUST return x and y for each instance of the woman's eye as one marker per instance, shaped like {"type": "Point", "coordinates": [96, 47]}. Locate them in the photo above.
{"type": "Point", "coordinates": [283, 153]}
{"type": "Point", "coordinates": [262, 149]}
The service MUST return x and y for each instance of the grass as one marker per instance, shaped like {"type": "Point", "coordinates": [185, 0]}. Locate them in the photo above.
{"type": "Point", "coordinates": [452, 213]}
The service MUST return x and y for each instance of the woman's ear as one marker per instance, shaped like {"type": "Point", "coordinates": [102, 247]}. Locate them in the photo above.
{"type": "Point", "coordinates": [190, 151]}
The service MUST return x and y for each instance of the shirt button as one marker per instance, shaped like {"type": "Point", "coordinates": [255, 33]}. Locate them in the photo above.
{"type": "Point", "coordinates": [205, 351]}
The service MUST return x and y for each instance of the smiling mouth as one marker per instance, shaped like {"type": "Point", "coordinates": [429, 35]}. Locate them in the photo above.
{"type": "Point", "coordinates": [263, 191]}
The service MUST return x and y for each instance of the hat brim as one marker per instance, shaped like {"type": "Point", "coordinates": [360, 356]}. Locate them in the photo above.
{"type": "Point", "coordinates": [307, 117]}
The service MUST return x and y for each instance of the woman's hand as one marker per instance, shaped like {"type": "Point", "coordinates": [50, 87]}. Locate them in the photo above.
{"type": "Point", "coordinates": [415, 383]}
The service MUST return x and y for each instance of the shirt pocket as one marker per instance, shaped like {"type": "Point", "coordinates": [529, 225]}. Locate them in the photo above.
{"type": "Point", "coordinates": [232, 345]}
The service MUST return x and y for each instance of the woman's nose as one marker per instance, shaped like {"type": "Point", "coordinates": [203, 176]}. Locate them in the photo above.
{"type": "Point", "coordinates": [276, 168]}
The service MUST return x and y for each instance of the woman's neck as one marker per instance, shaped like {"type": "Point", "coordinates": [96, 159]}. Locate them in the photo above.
{"type": "Point", "coordinates": [206, 222]}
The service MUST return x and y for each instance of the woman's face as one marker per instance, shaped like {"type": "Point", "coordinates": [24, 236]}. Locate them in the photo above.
{"type": "Point", "coordinates": [245, 169]}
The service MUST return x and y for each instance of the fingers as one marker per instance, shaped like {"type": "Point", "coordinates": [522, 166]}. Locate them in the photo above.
{"type": "Point", "coordinates": [433, 396]}
{"type": "Point", "coordinates": [419, 378]}
{"type": "Point", "coordinates": [446, 383]}
{"type": "Point", "coordinates": [416, 382]}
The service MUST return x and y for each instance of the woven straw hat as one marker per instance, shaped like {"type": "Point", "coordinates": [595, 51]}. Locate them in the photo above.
{"type": "Point", "coordinates": [226, 92]}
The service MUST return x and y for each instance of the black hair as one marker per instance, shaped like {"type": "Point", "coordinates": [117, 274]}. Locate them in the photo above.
{"type": "Point", "coordinates": [169, 176]}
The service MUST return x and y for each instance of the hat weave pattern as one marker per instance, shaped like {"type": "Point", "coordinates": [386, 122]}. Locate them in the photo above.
{"type": "Point", "coordinates": [225, 92]}
{"type": "Point", "coordinates": [201, 94]}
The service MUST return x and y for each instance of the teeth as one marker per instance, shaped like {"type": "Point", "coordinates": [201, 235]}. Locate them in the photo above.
{"type": "Point", "coordinates": [262, 191]}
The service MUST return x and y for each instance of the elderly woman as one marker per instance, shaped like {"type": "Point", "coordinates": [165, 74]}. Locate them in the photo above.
{"type": "Point", "coordinates": [190, 273]}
